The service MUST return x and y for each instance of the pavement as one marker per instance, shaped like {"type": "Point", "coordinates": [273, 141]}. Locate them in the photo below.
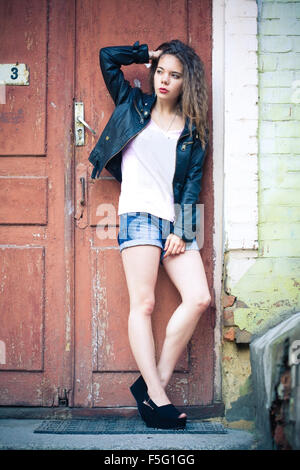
{"type": "Point", "coordinates": [18, 434]}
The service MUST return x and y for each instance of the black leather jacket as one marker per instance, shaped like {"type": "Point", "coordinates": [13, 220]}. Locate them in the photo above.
{"type": "Point", "coordinates": [131, 115]}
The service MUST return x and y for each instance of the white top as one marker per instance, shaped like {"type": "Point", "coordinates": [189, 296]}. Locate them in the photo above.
{"type": "Point", "coordinates": [148, 166]}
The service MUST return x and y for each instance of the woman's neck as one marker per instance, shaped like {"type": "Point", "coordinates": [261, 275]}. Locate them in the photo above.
{"type": "Point", "coordinates": [165, 108]}
{"type": "Point", "coordinates": [167, 115]}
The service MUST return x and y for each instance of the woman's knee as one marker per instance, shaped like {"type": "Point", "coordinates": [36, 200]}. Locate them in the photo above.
{"type": "Point", "coordinates": [198, 302]}
{"type": "Point", "coordinates": [143, 305]}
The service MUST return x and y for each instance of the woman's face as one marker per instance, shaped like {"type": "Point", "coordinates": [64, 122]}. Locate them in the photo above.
{"type": "Point", "coordinates": [168, 78]}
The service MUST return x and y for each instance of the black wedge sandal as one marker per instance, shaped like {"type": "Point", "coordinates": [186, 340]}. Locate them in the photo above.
{"type": "Point", "coordinates": [161, 417]}
{"type": "Point", "coordinates": [139, 389]}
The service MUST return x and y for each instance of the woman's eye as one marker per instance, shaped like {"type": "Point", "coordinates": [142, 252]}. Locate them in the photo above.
{"type": "Point", "coordinates": [175, 76]}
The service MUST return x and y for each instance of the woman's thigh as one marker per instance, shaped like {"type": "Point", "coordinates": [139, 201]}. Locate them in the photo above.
{"type": "Point", "coordinates": [141, 268]}
{"type": "Point", "coordinates": [187, 273]}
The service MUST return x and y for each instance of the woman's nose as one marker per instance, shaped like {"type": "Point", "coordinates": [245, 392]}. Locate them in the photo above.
{"type": "Point", "coordinates": [164, 79]}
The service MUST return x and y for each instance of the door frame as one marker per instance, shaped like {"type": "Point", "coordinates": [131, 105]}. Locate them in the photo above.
{"type": "Point", "coordinates": [225, 17]}
{"type": "Point", "coordinates": [61, 33]}
{"type": "Point", "coordinates": [218, 100]}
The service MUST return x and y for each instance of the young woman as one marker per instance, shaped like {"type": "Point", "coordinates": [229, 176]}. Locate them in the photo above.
{"type": "Point", "coordinates": [155, 145]}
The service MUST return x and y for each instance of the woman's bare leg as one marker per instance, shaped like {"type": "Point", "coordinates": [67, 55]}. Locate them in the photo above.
{"type": "Point", "coordinates": [187, 273]}
{"type": "Point", "coordinates": [141, 267]}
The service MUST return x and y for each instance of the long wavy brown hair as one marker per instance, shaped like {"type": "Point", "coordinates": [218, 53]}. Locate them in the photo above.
{"type": "Point", "coordinates": [193, 101]}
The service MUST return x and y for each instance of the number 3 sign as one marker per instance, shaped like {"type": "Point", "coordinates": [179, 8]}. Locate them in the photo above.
{"type": "Point", "coordinates": [14, 74]}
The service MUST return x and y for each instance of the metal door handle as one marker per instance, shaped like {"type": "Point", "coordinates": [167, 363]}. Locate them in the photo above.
{"type": "Point", "coordinates": [82, 200]}
{"type": "Point", "coordinates": [81, 192]}
{"type": "Point", "coordinates": [80, 124]}
{"type": "Point", "coordinates": [79, 119]}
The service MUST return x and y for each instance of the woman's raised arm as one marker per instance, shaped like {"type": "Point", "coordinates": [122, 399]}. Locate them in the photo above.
{"type": "Point", "coordinates": [111, 60]}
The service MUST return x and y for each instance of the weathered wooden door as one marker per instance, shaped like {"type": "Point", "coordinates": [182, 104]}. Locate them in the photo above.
{"type": "Point", "coordinates": [36, 243]}
{"type": "Point", "coordinates": [63, 297]}
{"type": "Point", "coordinates": [104, 365]}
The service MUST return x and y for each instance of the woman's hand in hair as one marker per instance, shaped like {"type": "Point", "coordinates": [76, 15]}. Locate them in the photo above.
{"type": "Point", "coordinates": [154, 54]}
{"type": "Point", "coordinates": [174, 245]}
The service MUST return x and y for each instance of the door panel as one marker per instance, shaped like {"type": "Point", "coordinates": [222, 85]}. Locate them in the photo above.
{"type": "Point", "coordinates": [22, 319]}
{"type": "Point", "coordinates": [104, 366]}
{"type": "Point", "coordinates": [24, 40]}
{"type": "Point", "coordinates": [36, 241]}
{"type": "Point", "coordinates": [23, 200]}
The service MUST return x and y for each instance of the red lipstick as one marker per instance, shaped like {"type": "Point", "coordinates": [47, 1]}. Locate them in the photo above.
{"type": "Point", "coordinates": [163, 90]}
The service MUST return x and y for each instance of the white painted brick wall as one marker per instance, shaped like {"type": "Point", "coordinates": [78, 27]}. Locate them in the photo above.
{"type": "Point", "coordinates": [240, 125]}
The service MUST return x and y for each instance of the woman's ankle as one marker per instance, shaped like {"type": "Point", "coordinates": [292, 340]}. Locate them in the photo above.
{"type": "Point", "coordinates": [158, 395]}
{"type": "Point", "coordinates": [163, 380]}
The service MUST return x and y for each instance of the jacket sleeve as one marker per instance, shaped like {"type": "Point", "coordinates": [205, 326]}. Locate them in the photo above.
{"type": "Point", "coordinates": [187, 213]}
{"type": "Point", "coordinates": [111, 60]}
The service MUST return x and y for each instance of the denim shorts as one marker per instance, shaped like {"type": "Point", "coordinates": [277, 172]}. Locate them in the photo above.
{"type": "Point", "coordinates": [142, 228]}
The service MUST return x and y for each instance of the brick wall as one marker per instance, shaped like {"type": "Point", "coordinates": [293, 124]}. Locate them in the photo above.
{"type": "Point", "coordinates": [279, 132]}
{"type": "Point", "coordinates": [261, 278]}
{"type": "Point", "coordinates": [241, 119]}
{"type": "Point", "coordinates": [265, 282]}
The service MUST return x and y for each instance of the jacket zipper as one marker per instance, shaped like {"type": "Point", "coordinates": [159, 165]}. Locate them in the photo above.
{"type": "Point", "coordinates": [141, 121]}
{"type": "Point", "coordinates": [132, 137]}
{"type": "Point", "coordinates": [183, 147]}
{"type": "Point", "coordinates": [141, 117]}
{"type": "Point", "coordinates": [184, 135]}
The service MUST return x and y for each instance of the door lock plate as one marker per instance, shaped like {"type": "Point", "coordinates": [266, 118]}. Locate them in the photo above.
{"type": "Point", "coordinates": [78, 126]}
